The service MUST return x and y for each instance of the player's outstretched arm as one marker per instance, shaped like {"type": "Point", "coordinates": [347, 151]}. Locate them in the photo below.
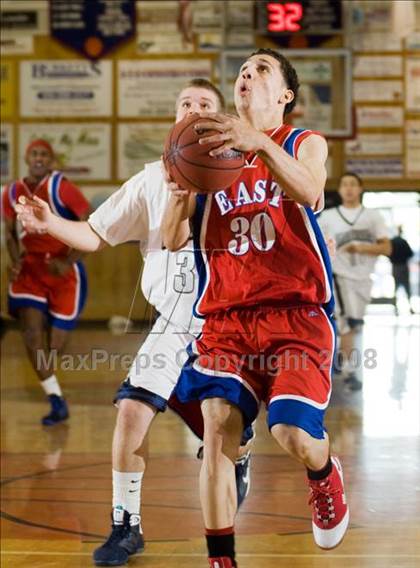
{"type": "Point", "coordinates": [176, 220]}
{"type": "Point", "coordinates": [37, 217]}
{"type": "Point", "coordinates": [382, 246]}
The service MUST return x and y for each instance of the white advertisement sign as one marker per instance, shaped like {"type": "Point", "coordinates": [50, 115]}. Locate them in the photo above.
{"type": "Point", "coordinates": [412, 83]}
{"type": "Point", "coordinates": [207, 14]}
{"type": "Point", "coordinates": [6, 152]}
{"type": "Point", "coordinates": [378, 91]}
{"type": "Point", "coordinates": [66, 88]}
{"type": "Point", "coordinates": [379, 116]}
{"type": "Point", "coordinates": [17, 45]}
{"type": "Point", "coordinates": [376, 167]}
{"type": "Point", "coordinates": [157, 28]}
{"type": "Point", "coordinates": [24, 17]}
{"type": "Point", "coordinates": [375, 144]}
{"type": "Point", "coordinates": [412, 149]}
{"type": "Point", "coordinates": [83, 151]}
{"type": "Point", "coordinates": [139, 144]}
{"type": "Point", "coordinates": [377, 66]}
{"type": "Point", "coordinates": [374, 41]}
{"type": "Point", "coordinates": [149, 88]}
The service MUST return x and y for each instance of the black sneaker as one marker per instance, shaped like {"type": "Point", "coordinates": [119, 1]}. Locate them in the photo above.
{"type": "Point", "coordinates": [243, 479]}
{"type": "Point", "coordinates": [242, 475]}
{"type": "Point", "coordinates": [59, 411]}
{"type": "Point", "coordinates": [125, 539]}
{"type": "Point", "coordinates": [353, 382]}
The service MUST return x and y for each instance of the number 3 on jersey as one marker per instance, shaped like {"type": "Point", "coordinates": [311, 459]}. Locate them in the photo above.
{"type": "Point", "coordinates": [260, 231]}
{"type": "Point", "coordinates": [184, 278]}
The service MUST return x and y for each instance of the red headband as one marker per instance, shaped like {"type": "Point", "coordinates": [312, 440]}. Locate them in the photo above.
{"type": "Point", "coordinates": [40, 142]}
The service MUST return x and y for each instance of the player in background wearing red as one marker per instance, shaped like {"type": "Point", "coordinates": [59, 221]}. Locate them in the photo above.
{"type": "Point", "coordinates": [265, 292]}
{"type": "Point", "coordinates": [47, 287]}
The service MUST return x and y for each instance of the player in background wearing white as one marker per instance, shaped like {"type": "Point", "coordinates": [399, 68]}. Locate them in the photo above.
{"type": "Point", "coordinates": [134, 213]}
{"type": "Point", "coordinates": [361, 236]}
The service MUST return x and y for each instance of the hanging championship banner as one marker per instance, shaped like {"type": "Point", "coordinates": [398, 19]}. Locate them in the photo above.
{"type": "Point", "coordinates": [93, 27]}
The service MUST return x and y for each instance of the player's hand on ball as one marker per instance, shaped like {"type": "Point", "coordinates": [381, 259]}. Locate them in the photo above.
{"type": "Point", "coordinates": [34, 214]}
{"type": "Point", "coordinates": [232, 133]}
{"type": "Point", "coordinates": [173, 187]}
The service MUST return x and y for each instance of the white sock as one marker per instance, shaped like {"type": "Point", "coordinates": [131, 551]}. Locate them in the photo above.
{"type": "Point", "coordinates": [126, 493]}
{"type": "Point", "coordinates": [51, 386]}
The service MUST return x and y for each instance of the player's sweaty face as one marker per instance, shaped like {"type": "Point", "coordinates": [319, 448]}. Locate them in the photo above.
{"type": "Point", "coordinates": [259, 84]}
{"type": "Point", "coordinates": [349, 189]}
{"type": "Point", "coordinates": [39, 161]}
{"type": "Point", "coordinates": [195, 99]}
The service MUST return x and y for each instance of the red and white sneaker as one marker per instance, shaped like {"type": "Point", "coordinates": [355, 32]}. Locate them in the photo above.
{"type": "Point", "coordinates": [222, 562]}
{"type": "Point", "coordinates": [330, 512]}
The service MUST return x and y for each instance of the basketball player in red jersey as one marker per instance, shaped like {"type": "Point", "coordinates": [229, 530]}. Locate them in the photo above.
{"type": "Point", "coordinates": [47, 283]}
{"type": "Point", "coordinates": [265, 293]}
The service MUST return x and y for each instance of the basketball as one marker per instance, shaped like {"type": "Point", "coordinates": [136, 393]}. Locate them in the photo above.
{"type": "Point", "coordinates": [189, 163]}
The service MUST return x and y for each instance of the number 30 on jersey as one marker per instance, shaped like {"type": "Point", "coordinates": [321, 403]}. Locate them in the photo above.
{"type": "Point", "coordinates": [259, 231]}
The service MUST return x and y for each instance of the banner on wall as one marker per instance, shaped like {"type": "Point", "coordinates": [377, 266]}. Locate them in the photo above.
{"type": "Point", "coordinates": [378, 66]}
{"type": "Point", "coordinates": [378, 91]}
{"type": "Point", "coordinates": [7, 89]}
{"type": "Point", "coordinates": [149, 88]}
{"type": "Point", "coordinates": [380, 116]}
{"type": "Point", "coordinates": [412, 82]}
{"type": "Point", "coordinates": [412, 146]}
{"type": "Point", "coordinates": [19, 23]}
{"type": "Point", "coordinates": [389, 168]}
{"type": "Point", "coordinates": [66, 88]}
{"type": "Point", "coordinates": [369, 144]}
{"type": "Point", "coordinates": [374, 41]}
{"type": "Point", "coordinates": [25, 17]}
{"type": "Point", "coordinates": [157, 28]}
{"type": "Point", "coordinates": [6, 152]}
{"type": "Point", "coordinates": [139, 144]}
{"type": "Point", "coordinates": [93, 27]}
{"type": "Point", "coordinates": [83, 151]}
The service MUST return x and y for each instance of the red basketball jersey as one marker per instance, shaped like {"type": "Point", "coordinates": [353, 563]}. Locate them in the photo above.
{"type": "Point", "coordinates": [64, 199]}
{"type": "Point", "coordinates": [256, 246]}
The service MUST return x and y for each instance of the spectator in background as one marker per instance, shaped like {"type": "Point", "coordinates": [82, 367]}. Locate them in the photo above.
{"type": "Point", "coordinates": [401, 253]}
{"type": "Point", "coordinates": [361, 236]}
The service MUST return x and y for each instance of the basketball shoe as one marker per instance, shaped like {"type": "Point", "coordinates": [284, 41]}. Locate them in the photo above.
{"type": "Point", "coordinates": [125, 539]}
{"type": "Point", "coordinates": [59, 411]}
{"type": "Point", "coordinates": [330, 512]}
{"type": "Point", "coordinates": [242, 475]}
{"type": "Point", "coordinates": [222, 562]}
{"type": "Point", "coordinates": [243, 478]}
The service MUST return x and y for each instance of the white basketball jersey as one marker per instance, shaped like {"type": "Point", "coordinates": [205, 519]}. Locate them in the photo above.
{"type": "Point", "coordinates": [134, 213]}
{"type": "Point", "coordinates": [358, 225]}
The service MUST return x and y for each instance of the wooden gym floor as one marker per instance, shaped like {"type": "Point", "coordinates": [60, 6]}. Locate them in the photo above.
{"type": "Point", "coordinates": [56, 489]}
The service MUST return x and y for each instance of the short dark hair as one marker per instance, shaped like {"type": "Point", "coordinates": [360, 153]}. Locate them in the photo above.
{"type": "Point", "coordinates": [288, 71]}
{"type": "Point", "coordinates": [206, 84]}
{"type": "Point", "coordinates": [351, 174]}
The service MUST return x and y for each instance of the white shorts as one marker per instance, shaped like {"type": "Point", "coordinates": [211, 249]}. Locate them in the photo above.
{"type": "Point", "coordinates": [352, 298]}
{"type": "Point", "coordinates": [160, 359]}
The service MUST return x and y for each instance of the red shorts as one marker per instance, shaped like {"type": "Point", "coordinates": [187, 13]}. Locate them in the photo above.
{"type": "Point", "coordinates": [282, 357]}
{"type": "Point", "coordinates": [60, 297]}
